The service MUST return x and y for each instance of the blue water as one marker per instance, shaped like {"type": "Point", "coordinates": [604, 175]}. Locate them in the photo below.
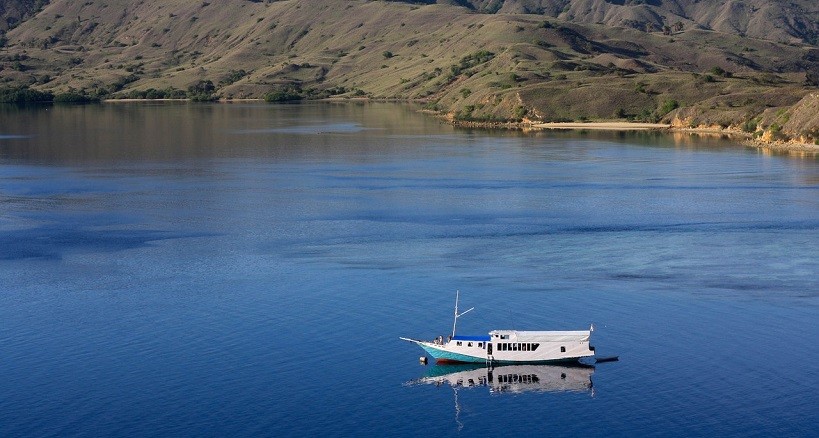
{"type": "Point", "coordinates": [246, 270]}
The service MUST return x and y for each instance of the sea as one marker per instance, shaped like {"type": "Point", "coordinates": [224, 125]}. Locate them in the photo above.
{"type": "Point", "coordinates": [247, 269]}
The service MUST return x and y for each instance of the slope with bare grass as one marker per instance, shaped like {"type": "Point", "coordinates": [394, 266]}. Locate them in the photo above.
{"type": "Point", "coordinates": [472, 66]}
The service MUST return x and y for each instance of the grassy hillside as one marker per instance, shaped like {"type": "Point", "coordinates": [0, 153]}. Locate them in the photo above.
{"type": "Point", "coordinates": [474, 66]}
{"type": "Point", "coordinates": [794, 21]}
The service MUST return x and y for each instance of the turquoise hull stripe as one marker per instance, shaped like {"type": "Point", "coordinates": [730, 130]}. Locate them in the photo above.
{"type": "Point", "coordinates": [446, 355]}
{"type": "Point", "coordinates": [456, 357]}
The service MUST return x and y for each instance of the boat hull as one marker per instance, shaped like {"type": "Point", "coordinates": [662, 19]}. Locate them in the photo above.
{"type": "Point", "coordinates": [442, 355]}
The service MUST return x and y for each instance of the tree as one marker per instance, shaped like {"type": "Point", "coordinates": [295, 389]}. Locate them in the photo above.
{"type": "Point", "coordinates": [202, 87]}
{"type": "Point", "coordinates": [201, 90]}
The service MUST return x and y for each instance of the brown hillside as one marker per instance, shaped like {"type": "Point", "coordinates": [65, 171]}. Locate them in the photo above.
{"type": "Point", "coordinates": [791, 21]}
{"type": "Point", "coordinates": [474, 66]}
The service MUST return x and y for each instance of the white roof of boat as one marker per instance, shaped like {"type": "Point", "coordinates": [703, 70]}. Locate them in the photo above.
{"type": "Point", "coordinates": [542, 332]}
{"type": "Point", "coordinates": [543, 335]}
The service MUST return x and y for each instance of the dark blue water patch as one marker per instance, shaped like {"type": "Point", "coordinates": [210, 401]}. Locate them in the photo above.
{"type": "Point", "coordinates": [13, 136]}
{"type": "Point", "coordinates": [630, 276]}
{"type": "Point", "coordinates": [49, 242]}
{"type": "Point", "coordinates": [693, 227]}
{"type": "Point", "coordinates": [487, 228]}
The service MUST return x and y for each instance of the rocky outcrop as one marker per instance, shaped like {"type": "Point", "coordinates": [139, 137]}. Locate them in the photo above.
{"type": "Point", "coordinates": [800, 123]}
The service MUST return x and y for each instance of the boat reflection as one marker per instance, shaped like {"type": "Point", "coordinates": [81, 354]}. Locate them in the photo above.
{"type": "Point", "coordinates": [511, 378]}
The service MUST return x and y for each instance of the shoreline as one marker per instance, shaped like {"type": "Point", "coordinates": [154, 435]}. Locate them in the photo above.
{"type": "Point", "coordinates": [745, 139]}
{"type": "Point", "coordinates": [603, 126]}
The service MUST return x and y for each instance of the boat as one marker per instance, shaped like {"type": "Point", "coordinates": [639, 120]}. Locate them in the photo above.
{"type": "Point", "coordinates": [508, 346]}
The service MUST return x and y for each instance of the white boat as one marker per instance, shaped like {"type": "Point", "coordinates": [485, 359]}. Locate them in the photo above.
{"type": "Point", "coordinates": [509, 346]}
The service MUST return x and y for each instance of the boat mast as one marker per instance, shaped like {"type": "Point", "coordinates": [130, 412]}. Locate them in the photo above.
{"type": "Point", "coordinates": [457, 292]}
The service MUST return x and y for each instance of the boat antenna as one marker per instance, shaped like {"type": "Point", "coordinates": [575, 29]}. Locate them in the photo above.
{"type": "Point", "coordinates": [457, 292]}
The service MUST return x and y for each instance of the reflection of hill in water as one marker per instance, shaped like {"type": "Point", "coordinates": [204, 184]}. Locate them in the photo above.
{"type": "Point", "coordinates": [512, 378]}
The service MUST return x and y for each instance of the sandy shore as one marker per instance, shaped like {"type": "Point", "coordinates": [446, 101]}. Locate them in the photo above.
{"type": "Point", "coordinates": [603, 126]}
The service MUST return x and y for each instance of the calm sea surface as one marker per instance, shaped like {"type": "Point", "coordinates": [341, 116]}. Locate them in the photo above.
{"type": "Point", "coordinates": [247, 270]}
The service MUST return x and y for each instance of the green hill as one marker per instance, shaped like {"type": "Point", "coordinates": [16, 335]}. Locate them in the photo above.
{"type": "Point", "coordinates": [475, 60]}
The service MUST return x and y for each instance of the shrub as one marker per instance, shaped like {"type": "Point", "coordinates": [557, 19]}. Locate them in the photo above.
{"type": "Point", "coordinates": [75, 97]}
{"type": "Point", "coordinates": [283, 95]}
{"type": "Point", "coordinates": [719, 71]}
{"type": "Point", "coordinates": [668, 106]}
{"type": "Point", "coordinates": [233, 76]}
{"type": "Point", "coordinates": [202, 91]}
{"type": "Point", "coordinates": [122, 82]}
{"type": "Point", "coordinates": [23, 95]}
{"type": "Point", "coordinates": [152, 93]}
{"type": "Point", "coordinates": [387, 54]}
{"type": "Point", "coordinates": [749, 125]}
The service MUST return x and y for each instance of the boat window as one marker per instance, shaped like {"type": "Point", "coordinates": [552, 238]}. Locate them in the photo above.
{"type": "Point", "coordinates": [458, 343]}
{"type": "Point", "coordinates": [480, 344]}
{"type": "Point", "coordinates": [534, 346]}
{"type": "Point", "coordinates": [515, 347]}
{"type": "Point", "coordinates": [562, 349]}
{"type": "Point", "coordinates": [468, 344]}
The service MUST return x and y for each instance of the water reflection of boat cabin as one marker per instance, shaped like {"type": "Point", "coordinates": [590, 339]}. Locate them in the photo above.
{"type": "Point", "coordinates": [512, 378]}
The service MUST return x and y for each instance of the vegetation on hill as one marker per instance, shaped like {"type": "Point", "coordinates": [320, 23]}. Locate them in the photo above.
{"type": "Point", "coordinates": [476, 61]}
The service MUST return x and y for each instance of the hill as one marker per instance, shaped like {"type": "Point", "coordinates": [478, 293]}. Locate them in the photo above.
{"type": "Point", "coordinates": [795, 21]}
{"type": "Point", "coordinates": [505, 63]}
